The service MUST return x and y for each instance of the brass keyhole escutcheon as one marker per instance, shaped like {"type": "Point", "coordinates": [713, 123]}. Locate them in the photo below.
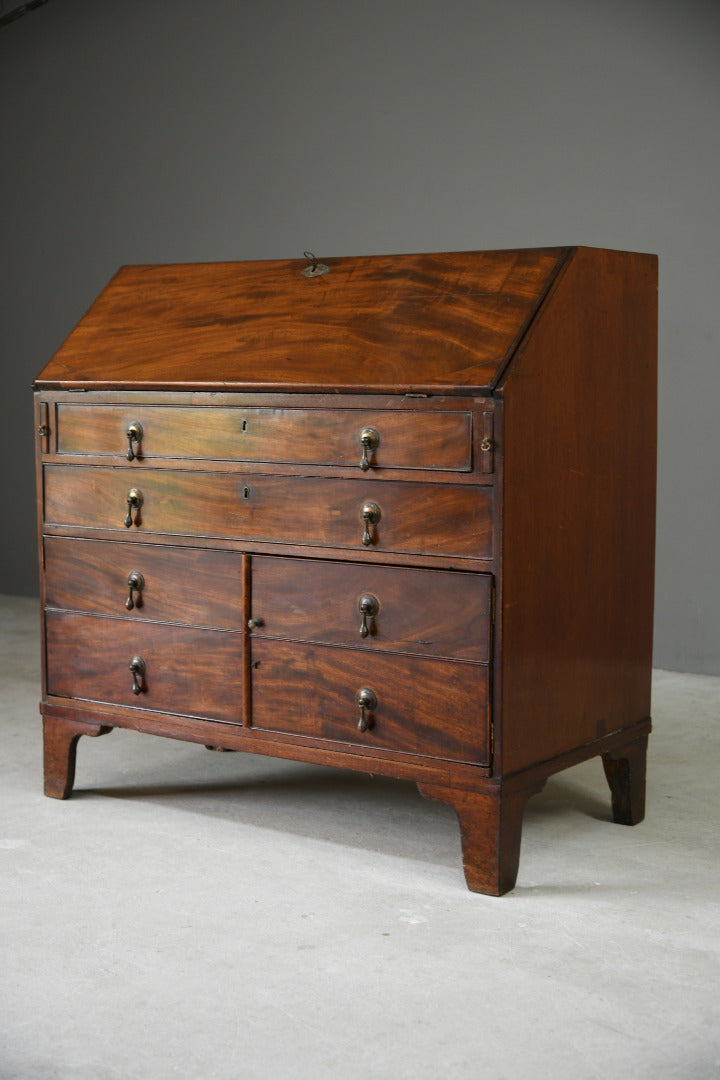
{"type": "Point", "coordinates": [134, 502]}
{"type": "Point", "coordinates": [369, 440]}
{"type": "Point", "coordinates": [368, 606]}
{"type": "Point", "coordinates": [371, 515]}
{"type": "Point", "coordinates": [136, 583]}
{"type": "Point", "coordinates": [137, 668]}
{"type": "Point", "coordinates": [367, 703]}
{"type": "Point", "coordinates": [133, 434]}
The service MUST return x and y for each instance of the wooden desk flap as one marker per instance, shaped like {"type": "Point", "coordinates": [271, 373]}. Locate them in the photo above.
{"type": "Point", "coordinates": [424, 323]}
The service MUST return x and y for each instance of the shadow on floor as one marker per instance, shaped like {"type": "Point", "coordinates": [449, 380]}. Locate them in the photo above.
{"type": "Point", "coordinates": [374, 813]}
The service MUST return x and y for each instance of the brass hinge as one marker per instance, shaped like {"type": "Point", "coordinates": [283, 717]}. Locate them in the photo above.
{"type": "Point", "coordinates": [487, 446]}
{"type": "Point", "coordinates": [44, 427]}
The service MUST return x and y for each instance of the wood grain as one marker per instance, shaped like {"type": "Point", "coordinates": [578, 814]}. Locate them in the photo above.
{"type": "Point", "coordinates": [438, 519]}
{"type": "Point", "coordinates": [399, 323]}
{"type": "Point", "coordinates": [577, 574]}
{"type": "Point", "coordinates": [490, 831]}
{"type": "Point", "coordinates": [324, 437]}
{"type": "Point", "coordinates": [424, 706]}
{"type": "Point", "coordinates": [252, 384]}
{"type": "Point", "coordinates": [60, 739]}
{"type": "Point", "coordinates": [190, 671]}
{"type": "Point", "coordinates": [185, 585]}
{"type": "Point", "coordinates": [431, 613]}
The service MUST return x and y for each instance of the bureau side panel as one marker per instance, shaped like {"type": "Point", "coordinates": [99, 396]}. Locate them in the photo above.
{"type": "Point", "coordinates": [579, 511]}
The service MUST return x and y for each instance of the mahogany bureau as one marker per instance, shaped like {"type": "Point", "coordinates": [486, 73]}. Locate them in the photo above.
{"type": "Point", "coordinates": [394, 514]}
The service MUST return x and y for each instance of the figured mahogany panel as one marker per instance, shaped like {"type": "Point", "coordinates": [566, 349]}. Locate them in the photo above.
{"type": "Point", "coordinates": [440, 519]}
{"type": "Point", "coordinates": [424, 706]}
{"type": "Point", "coordinates": [188, 671]}
{"type": "Point", "coordinates": [188, 585]}
{"type": "Point", "coordinates": [429, 612]}
{"type": "Point", "coordinates": [437, 322]}
{"type": "Point", "coordinates": [406, 440]}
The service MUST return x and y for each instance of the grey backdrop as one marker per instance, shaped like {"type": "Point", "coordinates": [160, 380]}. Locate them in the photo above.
{"type": "Point", "coordinates": [168, 130]}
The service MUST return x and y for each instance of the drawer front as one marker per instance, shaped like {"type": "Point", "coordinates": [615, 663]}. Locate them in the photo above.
{"type": "Point", "coordinates": [428, 612]}
{"type": "Point", "coordinates": [185, 585]}
{"type": "Point", "coordinates": [404, 439]}
{"type": "Point", "coordinates": [188, 671]}
{"type": "Point", "coordinates": [432, 519]}
{"type": "Point", "coordinates": [424, 706]}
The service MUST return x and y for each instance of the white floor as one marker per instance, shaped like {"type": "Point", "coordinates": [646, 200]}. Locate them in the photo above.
{"type": "Point", "coordinates": [221, 916]}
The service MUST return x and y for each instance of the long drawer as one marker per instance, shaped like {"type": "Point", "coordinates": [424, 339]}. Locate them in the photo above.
{"type": "Point", "coordinates": [397, 440]}
{"type": "Point", "coordinates": [186, 585]}
{"type": "Point", "coordinates": [188, 671]}
{"type": "Point", "coordinates": [422, 706]}
{"type": "Point", "coordinates": [428, 612]}
{"type": "Point", "coordinates": [432, 519]}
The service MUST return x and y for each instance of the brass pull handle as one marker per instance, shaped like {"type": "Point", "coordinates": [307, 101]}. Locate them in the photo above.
{"type": "Point", "coordinates": [371, 515]}
{"type": "Point", "coordinates": [134, 502]}
{"type": "Point", "coordinates": [136, 583]}
{"type": "Point", "coordinates": [369, 440]}
{"type": "Point", "coordinates": [368, 606]}
{"type": "Point", "coordinates": [137, 667]}
{"type": "Point", "coordinates": [134, 434]}
{"type": "Point", "coordinates": [367, 703]}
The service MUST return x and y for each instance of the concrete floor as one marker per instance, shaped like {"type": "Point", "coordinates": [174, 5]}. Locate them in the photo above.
{"type": "Point", "coordinates": [222, 916]}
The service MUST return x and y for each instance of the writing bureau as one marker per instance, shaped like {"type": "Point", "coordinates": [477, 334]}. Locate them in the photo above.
{"type": "Point", "coordinates": [394, 514]}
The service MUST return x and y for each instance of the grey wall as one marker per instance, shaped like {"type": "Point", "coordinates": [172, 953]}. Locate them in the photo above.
{"type": "Point", "coordinates": [166, 130]}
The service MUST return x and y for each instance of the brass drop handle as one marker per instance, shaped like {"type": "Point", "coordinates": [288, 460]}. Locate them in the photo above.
{"type": "Point", "coordinates": [137, 667]}
{"type": "Point", "coordinates": [134, 434]}
{"type": "Point", "coordinates": [368, 606]}
{"type": "Point", "coordinates": [369, 440]}
{"type": "Point", "coordinates": [136, 583]}
{"type": "Point", "coordinates": [367, 703]}
{"type": "Point", "coordinates": [134, 502]}
{"type": "Point", "coordinates": [371, 515]}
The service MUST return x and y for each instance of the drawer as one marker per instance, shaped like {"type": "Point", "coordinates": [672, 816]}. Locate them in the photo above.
{"type": "Point", "coordinates": [404, 439]}
{"type": "Point", "coordinates": [424, 706]}
{"type": "Point", "coordinates": [184, 585]}
{"type": "Point", "coordinates": [432, 519]}
{"type": "Point", "coordinates": [188, 671]}
{"type": "Point", "coordinates": [429, 612]}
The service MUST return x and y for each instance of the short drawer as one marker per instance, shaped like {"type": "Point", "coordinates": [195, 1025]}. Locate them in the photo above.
{"type": "Point", "coordinates": [423, 706]}
{"type": "Point", "coordinates": [188, 671]}
{"type": "Point", "coordinates": [396, 439]}
{"type": "Point", "coordinates": [432, 519]}
{"type": "Point", "coordinates": [142, 582]}
{"type": "Point", "coordinates": [383, 608]}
